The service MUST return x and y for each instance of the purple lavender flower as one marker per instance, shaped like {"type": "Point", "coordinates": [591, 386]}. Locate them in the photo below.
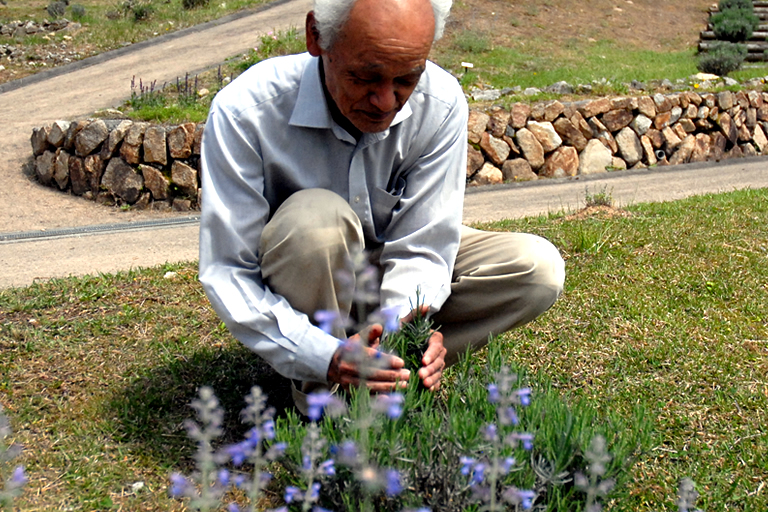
{"type": "Point", "coordinates": [327, 319]}
{"type": "Point", "coordinates": [524, 438]}
{"type": "Point", "coordinates": [268, 427]}
{"type": "Point", "coordinates": [232, 507]}
{"type": "Point", "coordinates": [327, 468]}
{"type": "Point", "coordinates": [291, 494]}
{"type": "Point", "coordinates": [490, 432]}
{"type": "Point", "coordinates": [466, 464]}
{"type": "Point", "coordinates": [239, 452]}
{"type": "Point", "coordinates": [510, 415]}
{"type": "Point", "coordinates": [317, 402]}
{"type": "Point", "coordinates": [391, 315]}
{"type": "Point", "coordinates": [18, 478]}
{"type": "Point", "coordinates": [253, 437]}
{"type": "Point", "coordinates": [506, 465]}
{"type": "Point", "coordinates": [223, 477]}
{"type": "Point", "coordinates": [526, 498]}
{"type": "Point", "coordinates": [493, 394]}
{"type": "Point", "coordinates": [524, 395]}
{"type": "Point", "coordinates": [478, 473]}
{"type": "Point", "coordinates": [276, 450]}
{"type": "Point", "coordinates": [346, 452]}
{"type": "Point", "coordinates": [239, 481]}
{"type": "Point", "coordinates": [391, 404]}
{"type": "Point", "coordinates": [393, 486]}
{"type": "Point", "coordinates": [320, 401]}
{"type": "Point", "coordinates": [314, 492]}
{"type": "Point", "coordinates": [179, 485]}
{"type": "Point", "coordinates": [306, 462]}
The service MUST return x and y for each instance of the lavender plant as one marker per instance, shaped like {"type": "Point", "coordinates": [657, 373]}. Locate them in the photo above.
{"type": "Point", "coordinates": [687, 496]}
{"type": "Point", "coordinates": [594, 484]}
{"type": "Point", "coordinates": [15, 479]}
{"type": "Point", "coordinates": [486, 472]}
{"type": "Point", "coordinates": [206, 486]}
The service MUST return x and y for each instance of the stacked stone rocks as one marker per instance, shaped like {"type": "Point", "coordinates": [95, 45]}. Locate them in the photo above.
{"type": "Point", "coordinates": [121, 161]}
{"type": "Point", "coordinates": [553, 140]}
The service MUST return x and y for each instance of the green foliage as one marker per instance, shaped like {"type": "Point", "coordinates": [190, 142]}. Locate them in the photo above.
{"type": "Point", "coordinates": [410, 341]}
{"type": "Point", "coordinates": [600, 198]}
{"type": "Point", "coordinates": [734, 25]}
{"type": "Point", "coordinates": [724, 5]}
{"type": "Point", "coordinates": [56, 9]}
{"type": "Point", "coordinates": [274, 44]}
{"type": "Point", "coordinates": [140, 11]}
{"type": "Point", "coordinates": [470, 41]}
{"type": "Point", "coordinates": [722, 58]}
{"type": "Point", "coordinates": [425, 444]}
{"type": "Point", "coordinates": [78, 12]}
{"type": "Point", "coordinates": [194, 4]}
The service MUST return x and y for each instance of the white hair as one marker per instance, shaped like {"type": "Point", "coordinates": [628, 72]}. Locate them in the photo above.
{"type": "Point", "coordinates": [331, 15]}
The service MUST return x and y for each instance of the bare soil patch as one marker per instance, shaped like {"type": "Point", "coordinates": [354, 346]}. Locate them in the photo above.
{"type": "Point", "coordinates": [644, 24]}
{"type": "Point", "coordinates": [601, 212]}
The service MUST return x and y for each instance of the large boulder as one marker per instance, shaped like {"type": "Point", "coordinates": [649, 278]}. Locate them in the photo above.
{"type": "Point", "coordinates": [595, 158]}
{"type": "Point", "coordinates": [121, 180]}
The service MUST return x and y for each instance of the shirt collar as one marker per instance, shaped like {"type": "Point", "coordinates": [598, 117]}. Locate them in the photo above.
{"type": "Point", "coordinates": [312, 111]}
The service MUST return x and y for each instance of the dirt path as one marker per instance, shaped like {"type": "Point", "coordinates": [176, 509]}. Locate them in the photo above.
{"type": "Point", "coordinates": [24, 204]}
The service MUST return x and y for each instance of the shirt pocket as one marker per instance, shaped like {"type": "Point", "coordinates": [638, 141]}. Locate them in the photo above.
{"type": "Point", "coordinates": [383, 204]}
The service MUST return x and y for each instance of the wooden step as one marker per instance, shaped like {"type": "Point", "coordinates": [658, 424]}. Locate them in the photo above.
{"type": "Point", "coordinates": [751, 47]}
{"type": "Point", "coordinates": [756, 36]}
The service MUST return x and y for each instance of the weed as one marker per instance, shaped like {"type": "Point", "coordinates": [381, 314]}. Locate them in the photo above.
{"type": "Point", "coordinates": [603, 197]}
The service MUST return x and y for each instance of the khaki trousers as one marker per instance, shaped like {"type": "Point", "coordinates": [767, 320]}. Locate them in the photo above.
{"type": "Point", "coordinates": [500, 280]}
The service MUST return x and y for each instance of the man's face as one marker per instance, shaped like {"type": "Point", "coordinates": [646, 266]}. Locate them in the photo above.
{"type": "Point", "coordinates": [377, 60]}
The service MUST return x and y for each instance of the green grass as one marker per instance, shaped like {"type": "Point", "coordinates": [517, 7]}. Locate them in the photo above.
{"type": "Point", "coordinates": [665, 311]}
{"type": "Point", "coordinates": [111, 24]}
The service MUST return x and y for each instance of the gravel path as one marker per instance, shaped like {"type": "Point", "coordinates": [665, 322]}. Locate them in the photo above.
{"type": "Point", "coordinates": [104, 81]}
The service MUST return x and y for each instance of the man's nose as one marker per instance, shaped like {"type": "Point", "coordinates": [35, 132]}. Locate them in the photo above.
{"type": "Point", "coordinates": [383, 98]}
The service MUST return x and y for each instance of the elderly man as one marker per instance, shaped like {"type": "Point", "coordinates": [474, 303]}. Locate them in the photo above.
{"type": "Point", "coordinates": [361, 142]}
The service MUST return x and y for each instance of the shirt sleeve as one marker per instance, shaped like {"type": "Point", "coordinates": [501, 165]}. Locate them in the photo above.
{"type": "Point", "coordinates": [423, 238]}
{"type": "Point", "coordinates": [233, 214]}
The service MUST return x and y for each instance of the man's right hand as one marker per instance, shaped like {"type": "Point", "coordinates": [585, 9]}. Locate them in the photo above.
{"type": "Point", "coordinates": [383, 372]}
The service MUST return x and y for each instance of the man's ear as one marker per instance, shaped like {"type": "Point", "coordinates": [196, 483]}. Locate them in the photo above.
{"type": "Point", "coordinates": [313, 36]}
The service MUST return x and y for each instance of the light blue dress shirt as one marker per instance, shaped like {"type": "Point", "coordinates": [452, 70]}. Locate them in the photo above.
{"type": "Point", "coordinates": [269, 134]}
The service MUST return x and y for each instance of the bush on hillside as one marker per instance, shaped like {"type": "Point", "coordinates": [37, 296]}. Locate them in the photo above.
{"type": "Point", "coordinates": [722, 58]}
{"type": "Point", "coordinates": [56, 9]}
{"type": "Point", "coordinates": [193, 4]}
{"type": "Point", "coordinates": [724, 5]}
{"type": "Point", "coordinates": [735, 25]}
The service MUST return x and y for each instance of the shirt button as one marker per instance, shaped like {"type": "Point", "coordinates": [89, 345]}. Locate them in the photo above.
{"type": "Point", "coordinates": [357, 199]}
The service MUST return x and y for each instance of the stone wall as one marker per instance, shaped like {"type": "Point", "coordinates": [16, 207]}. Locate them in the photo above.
{"type": "Point", "coordinates": [552, 139]}
{"type": "Point", "coordinates": [121, 161]}
{"type": "Point", "coordinates": [142, 165]}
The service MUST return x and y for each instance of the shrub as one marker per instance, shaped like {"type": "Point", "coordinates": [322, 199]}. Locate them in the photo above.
{"type": "Point", "coordinates": [56, 9]}
{"type": "Point", "coordinates": [723, 58]}
{"type": "Point", "coordinates": [724, 5]}
{"type": "Point", "coordinates": [193, 4]}
{"type": "Point", "coordinates": [142, 11]}
{"type": "Point", "coordinates": [78, 11]}
{"type": "Point", "coordinates": [734, 25]}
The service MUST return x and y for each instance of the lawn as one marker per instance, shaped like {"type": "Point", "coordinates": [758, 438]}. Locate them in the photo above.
{"type": "Point", "coordinates": [664, 318]}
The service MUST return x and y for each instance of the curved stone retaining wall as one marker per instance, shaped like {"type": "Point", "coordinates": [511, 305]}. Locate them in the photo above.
{"type": "Point", "coordinates": [143, 165]}
{"type": "Point", "coordinates": [552, 139]}
{"type": "Point", "coordinates": [121, 161]}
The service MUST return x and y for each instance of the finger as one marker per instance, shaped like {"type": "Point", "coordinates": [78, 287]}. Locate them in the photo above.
{"type": "Point", "coordinates": [385, 360]}
{"type": "Point", "coordinates": [374, 333]}
{"type": "Point", "coordinates": [435, 350]}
